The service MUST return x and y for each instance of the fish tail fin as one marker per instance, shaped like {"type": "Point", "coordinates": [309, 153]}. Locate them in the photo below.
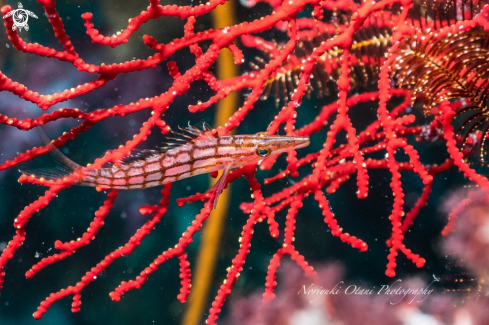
{"type": "Point", "coordinates": [64, 165]}
{"type": "Point", "coordinates": [51, 174]}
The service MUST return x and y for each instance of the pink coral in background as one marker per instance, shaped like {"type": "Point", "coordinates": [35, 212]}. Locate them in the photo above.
{"type": "Point", "coordinates": [337, 46]}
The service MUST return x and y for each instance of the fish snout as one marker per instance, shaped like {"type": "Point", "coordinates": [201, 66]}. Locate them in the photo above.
{"type": "Point", "coordinates": [300, 142]}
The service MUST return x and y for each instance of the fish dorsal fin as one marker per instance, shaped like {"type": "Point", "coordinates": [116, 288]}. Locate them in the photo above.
{"type": "Point", "coordinates": [187, 135]}
{"type": "Point", "coordinates": [136, 155]}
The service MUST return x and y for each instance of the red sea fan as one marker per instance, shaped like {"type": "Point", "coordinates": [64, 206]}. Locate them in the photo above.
{"type": "Point", "coordinates": [347, 43]}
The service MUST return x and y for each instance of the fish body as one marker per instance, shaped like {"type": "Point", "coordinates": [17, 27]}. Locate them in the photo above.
{"type": "Point", "coordinates": [202, 156]}
{"type": "Point", "coordinates": [194, 152]}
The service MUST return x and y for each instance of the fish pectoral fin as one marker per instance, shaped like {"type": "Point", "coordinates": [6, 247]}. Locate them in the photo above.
{"type": "Point", "coordinates": [219, 186]}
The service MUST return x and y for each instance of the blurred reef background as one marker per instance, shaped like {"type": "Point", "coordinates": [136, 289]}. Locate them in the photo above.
{"type": "Point", "coordinates": [70, 213]}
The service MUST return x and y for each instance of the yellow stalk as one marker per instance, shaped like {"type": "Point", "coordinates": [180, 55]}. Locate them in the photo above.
{"type": "Point", "coordinates": [223, 16]}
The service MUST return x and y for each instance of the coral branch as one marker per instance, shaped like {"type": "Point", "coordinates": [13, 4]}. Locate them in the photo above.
{"type": "Point", "coordinates": [381, 57]}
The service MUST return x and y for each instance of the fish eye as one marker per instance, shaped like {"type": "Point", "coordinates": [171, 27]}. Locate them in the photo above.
{"type": "Point", "coordinates": [263, 152]}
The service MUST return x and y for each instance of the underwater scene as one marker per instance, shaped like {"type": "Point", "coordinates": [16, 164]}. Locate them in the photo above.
{"type": "Point", "coordinates": [244, 162]}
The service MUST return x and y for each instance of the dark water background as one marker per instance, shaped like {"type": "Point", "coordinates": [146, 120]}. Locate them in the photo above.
{"type": "Point", "coordinates": [68, 216]}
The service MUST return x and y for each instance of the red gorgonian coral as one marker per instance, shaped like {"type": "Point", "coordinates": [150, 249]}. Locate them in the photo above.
{"type": "Point", "coordinates": [400, 45]}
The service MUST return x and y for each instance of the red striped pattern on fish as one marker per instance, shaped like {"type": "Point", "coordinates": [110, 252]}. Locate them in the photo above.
{"type": "Point", "coordinates": [194, 152]}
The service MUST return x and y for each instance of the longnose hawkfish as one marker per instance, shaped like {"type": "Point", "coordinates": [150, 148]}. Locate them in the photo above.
{"type": "Point", "coordinates": [192, 152]}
